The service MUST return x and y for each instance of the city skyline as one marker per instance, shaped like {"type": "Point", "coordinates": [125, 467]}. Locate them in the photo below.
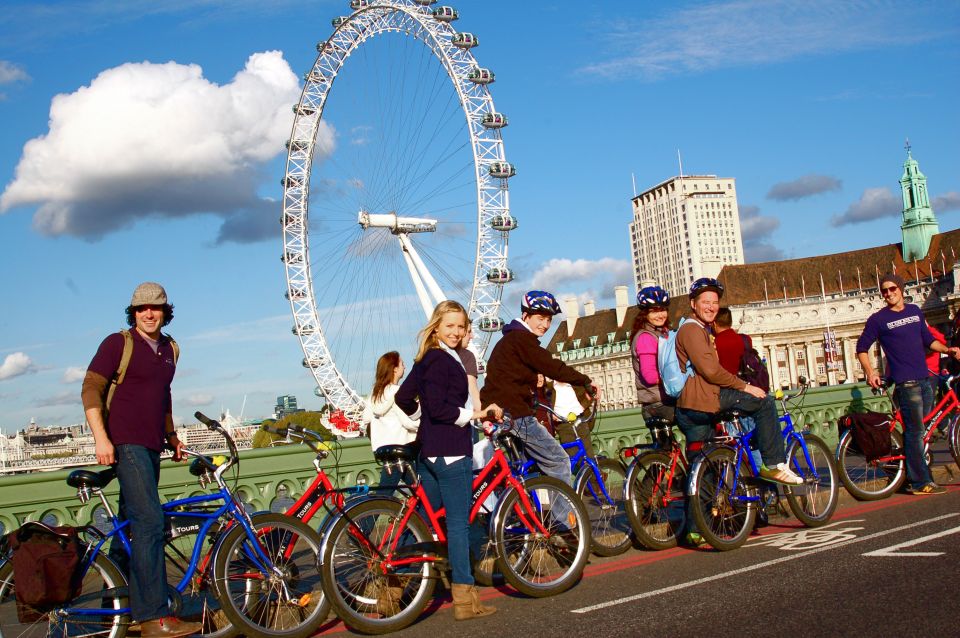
{"type": "Point", "coordinates": [145, 142]}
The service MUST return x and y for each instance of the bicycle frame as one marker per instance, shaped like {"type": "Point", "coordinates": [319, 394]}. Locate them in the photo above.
{"type": "Point", "coordinates": [495, 473]}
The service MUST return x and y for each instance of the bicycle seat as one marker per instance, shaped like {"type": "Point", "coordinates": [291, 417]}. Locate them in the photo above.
{"type": "Point", "coordinates": [729, 415]}
{"type": "Point", "coordinates": [393, 454]}
{"type": "Point", "coordinates": [656, 422]}
{"type": "Point", "coordinates": [88, 479]}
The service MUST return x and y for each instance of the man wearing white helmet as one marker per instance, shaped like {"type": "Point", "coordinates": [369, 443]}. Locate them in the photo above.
{"type": "Point", "coordinates": [512, 378]}
{"type": "Point", "coordinates": [126, 398]}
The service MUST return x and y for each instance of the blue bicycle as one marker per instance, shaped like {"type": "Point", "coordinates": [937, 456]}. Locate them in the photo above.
{"type": "Point", "coordinates": [256, 575]}
{"type": "Point", "coordinates": [725, 491]}
{"type": "Point", "coordinates": [600, 485]}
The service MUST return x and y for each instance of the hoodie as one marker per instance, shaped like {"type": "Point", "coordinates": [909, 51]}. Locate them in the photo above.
{"type": "Point", "coordinates": [389, 425]}
{"type": "Point", "coordinates": [513, 367]}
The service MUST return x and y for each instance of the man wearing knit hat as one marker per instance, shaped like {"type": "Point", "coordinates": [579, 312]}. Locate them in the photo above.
{"type": "Point", "coordinates": [905, 338]}
{"type": "Point", "coordinates": [126, 399]}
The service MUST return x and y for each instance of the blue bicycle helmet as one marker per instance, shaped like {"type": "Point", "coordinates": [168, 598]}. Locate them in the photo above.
{"type": "Point", "coordinates": [538, 301]}
{"type": "Point", "coordinates": [653, 297]}
{"type": "Point", "coordinates": [704, 284]}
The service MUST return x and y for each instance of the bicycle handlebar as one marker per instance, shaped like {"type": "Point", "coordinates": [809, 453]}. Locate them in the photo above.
{"type": "Point", "coordinates": [301, 434]}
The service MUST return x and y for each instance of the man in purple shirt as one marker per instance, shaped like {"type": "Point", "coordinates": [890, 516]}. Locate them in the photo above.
{"type": "Point", "coordinates": [905, 338]}
{"type": "Point", "coordinates": [130, 436]}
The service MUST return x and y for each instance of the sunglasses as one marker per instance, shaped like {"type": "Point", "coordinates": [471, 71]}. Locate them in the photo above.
{"type": "Point", "coordinates": [888, 290]}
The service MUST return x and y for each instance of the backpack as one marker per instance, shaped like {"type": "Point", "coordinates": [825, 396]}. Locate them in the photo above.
{"type": "Point", "coordinates": [45, 561]}
{"type": "Point", "coordinates": [668, 365]}
{"type": "Point", "coordinates": [871, 433]}
{"type": "Point", "coordinates": [752, 369]}
{"type": "Point", "coordinates": [121, 372]}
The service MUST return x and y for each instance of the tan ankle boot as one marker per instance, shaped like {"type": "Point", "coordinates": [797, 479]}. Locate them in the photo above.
{"type": "Point", "coordinates": [467, 605]}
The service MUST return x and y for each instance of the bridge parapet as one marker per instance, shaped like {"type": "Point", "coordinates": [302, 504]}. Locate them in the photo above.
{"type": "Point", "coordinates": [271, 477]}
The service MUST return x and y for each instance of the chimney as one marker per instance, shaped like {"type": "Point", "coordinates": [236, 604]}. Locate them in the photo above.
{"type": "Point", "coordinates": [589, 308]}
{"type": "Point", "coordinates": [620, 293]}
{"type": "Point", "coordinates": [572, 310]}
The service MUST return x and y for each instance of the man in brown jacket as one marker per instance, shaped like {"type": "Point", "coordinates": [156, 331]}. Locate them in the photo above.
{"type": "Point", "coordinates": [712, 389]}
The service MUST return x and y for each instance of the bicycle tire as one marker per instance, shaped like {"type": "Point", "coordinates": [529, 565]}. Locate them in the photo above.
{"type": "Point", "coordinates": [258, 604]}
{"type": "Point", "coordinates": [200, 601]}
{"type": "Point", "coordinates": [724, 523]}
{"type": "Point", "coordinates": [534, 564]}
{"type": "Point", "coordinates": [102, 587]}
{"type": "Point", "coordinates": [610, 530]}
{"type": "Point", "coordinates": [657, 503]}
{"type": "Point", "coordinates": [814, 502]}
{"type": "Point", "coordinates": [870, 480]}
{"type": "Point", "coordinates": [352, 581]}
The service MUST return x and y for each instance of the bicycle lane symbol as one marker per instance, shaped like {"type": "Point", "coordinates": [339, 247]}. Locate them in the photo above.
{"type": "Point", "coordinates": [805, 539]}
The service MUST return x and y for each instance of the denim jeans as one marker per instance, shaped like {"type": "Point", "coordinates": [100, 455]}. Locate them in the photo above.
{"type": "Point", "coordinates": [450, 486]}
{"type": "Point", "coordinates": [915, 399]}
{"type": "Point", "coordinates": [699, 426]}
{"type": "Point", "coordinates": [543, 448]}
{"type": "Point", "coordinates": [138, 472]}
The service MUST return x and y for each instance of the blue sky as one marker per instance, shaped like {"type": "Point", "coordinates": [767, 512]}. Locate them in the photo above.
{"type": "Point", "coordinates": [144, 141]}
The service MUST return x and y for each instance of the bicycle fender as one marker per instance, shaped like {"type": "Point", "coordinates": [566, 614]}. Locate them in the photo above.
{"type": "Point", "coordinates": [695, 466]}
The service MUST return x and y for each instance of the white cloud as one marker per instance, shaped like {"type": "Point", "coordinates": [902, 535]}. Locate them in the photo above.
{"type": "Point", "coordinates": [73, 374]}
{"type": "Point", "coordinates": [874, 203]}
{"type": "Point", "coordinates": [804, 186]}
{"type": "Point", "coordinates": [945, 202]}
{"type": "Point", "coordinates": [10, 73]}
{"type": "Point", "coordinates": [707, 36]}
{"type": "Point", "coordinates": [145, 139]}
{"type": "Point", "coordinates": [197, 400]}
{"type": "Point", "coordinates": [15, 365]}
{"type": "Point", "coordinates": [63, 398]}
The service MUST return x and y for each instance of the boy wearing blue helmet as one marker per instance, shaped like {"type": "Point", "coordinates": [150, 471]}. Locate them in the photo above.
{"type": "Point", "coordinates": [512, 376]}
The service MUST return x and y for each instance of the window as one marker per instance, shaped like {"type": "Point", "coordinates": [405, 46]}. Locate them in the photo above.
{"type": "Point", "coordinates": [560, 347]}
{"type": "Point", "coordinates": [576, 343]}
{"type": "Point", "coordinates": [593, 340]}
{"type": "Point", "coordinates": [611, 336]}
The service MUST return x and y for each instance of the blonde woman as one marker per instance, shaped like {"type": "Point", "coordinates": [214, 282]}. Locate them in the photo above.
{"type": "Point", "coordinates": [389, 425]}
{"type": "Point", "coordinates": [445, 409]}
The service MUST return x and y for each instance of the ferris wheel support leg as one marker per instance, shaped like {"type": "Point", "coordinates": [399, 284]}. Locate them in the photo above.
{"type": "Point", "coordinates": [422, 295]}
{"type": "Point", "coordinates": [424, 274]}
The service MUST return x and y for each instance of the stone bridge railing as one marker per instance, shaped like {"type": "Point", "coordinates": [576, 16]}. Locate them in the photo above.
{"type": "Point", "coordinates": [271, 478]}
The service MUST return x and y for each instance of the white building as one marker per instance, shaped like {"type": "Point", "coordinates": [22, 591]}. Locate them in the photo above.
{"type": "Point", "coordinates": [685, 228]}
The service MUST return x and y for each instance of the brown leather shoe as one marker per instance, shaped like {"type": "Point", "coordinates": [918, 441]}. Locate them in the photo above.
{"type": "Point", "coordinates": [168, 627]}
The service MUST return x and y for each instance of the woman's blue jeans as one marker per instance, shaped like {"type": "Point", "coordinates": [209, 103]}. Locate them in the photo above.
{"type": "Point", "coordinates": [449, 486]}
{"type": "Point", "coordinates": [915, 399]}
{"type": "Point", "coordinates": [138, 471]}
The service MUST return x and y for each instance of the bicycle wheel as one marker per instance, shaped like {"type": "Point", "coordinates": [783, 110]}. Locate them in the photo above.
{"type": "Point", "coordinates": [355, 579]}
{"type": "Point", "coordinates": [543, 548]}
{"type": "Point", "coordinates": [103, 588]}
{"type": "Point", "coordinates": [870, 480]}
{"type": "Point", "coordinates": [953, 439]}
{"type": "Point", "coordinates": [814, 502]}
{"type": "Point", "coordinates": [198, 602]}
{"type": "Point", "coordinates": [609, 525]}
{"type": "Point", "coordinates": [656, 501]}
{"type": "Point", "coordinates": [716, 502]}
{"type": "Point", "coordinates": [484, 556]}
{"type": "Point", "coordinates": [283, 598]}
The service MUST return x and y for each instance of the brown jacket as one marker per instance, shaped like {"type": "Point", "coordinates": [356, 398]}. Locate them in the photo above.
{"type": "Point", "coordinates": [702, 391]}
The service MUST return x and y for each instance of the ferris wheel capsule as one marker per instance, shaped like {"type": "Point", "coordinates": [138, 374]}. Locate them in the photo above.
{"type": "Point", "coordinates": [499, 275]}
{"type": "Point", "coordinates": [494, 120]}
{"type": "Point", "coordinates": [295, 293]}
{"type": "Point", "coordinates": [490, 324]}
{"type": "Point", "coordinates": [464, 40]}
{"type": "Point", "coordinates": [478, 75]}
{"type": "Point", "coordinates": [503, 170]}
{"type": "Point", "coordinates": [291, 181]}
{"type": "Point", "coordinates": [446, 14]}
{"type": "Point", "coordinates": [303, 109]}
{"type": "Point", "coordinates": [338, 21]}
{"type": "Point", "coordinates": [504, 222]}
{"type": "Point", "coordinates": [291, 257]}
{"type": "Point", "coordinates": [425, 3]}
{"type": "Point", "coordinates": [356, 5]}
{"type": "Point", "coordinates": [313, 362]}
{"type": "Point", "coordinates": [297, 146]}
{"type": "Point", "coordinates": [301, 331]}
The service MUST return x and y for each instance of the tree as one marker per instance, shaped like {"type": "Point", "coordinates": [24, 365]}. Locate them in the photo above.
{"type": "Point", "coordinates": [309, 420]}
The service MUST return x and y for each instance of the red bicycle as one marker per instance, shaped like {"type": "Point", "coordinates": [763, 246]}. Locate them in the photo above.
{"type": "Point", "coordinates": [382, 554]}
{"type": "Point", "coordinates": [873, 479]}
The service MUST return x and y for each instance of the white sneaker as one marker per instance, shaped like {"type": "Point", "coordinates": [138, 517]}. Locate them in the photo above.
{"type": "Point", "coordinates": [780, 473]}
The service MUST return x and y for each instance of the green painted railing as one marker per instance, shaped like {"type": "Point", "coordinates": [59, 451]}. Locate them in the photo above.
{"type": "Point", "coordinates": [272, 477]}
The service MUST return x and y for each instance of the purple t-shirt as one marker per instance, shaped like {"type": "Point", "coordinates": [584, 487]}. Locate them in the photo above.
{"type": "Point", "coordinates": [904, 337]}
{"type": "Point", "coordinates": [142, 402]}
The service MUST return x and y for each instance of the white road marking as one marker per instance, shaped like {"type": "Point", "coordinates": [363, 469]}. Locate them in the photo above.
{"type": "Point", "coordinates": [892, 550]}
{"type": "Point", "coordinates": [744, 570]}
{"type": "Point", "coordinates": [808, 538]}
